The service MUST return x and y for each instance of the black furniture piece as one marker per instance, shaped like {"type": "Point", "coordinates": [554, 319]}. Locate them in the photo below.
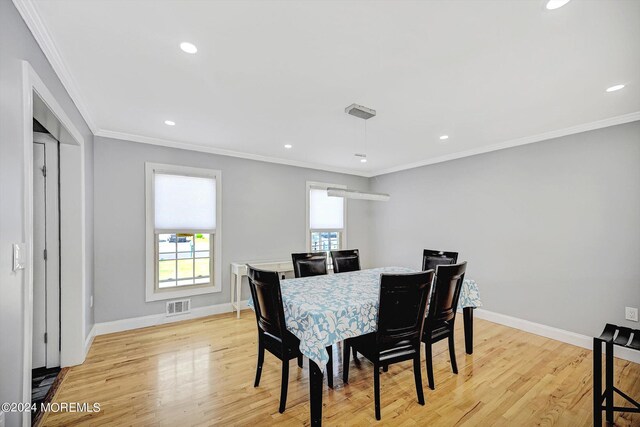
{"type": "Point", "coordinates": [403, 300]}
{"type": "Point", "coordinates": [441, 316]}
{"type": "Point", "coordinates": [344, 261]}
{"type": "Point", "coordinates": [272, 331]}
{"type": "Point", "coordinates": [308, 264]}
{"type": "Point", "coordinates": [431, 259]}
{"type": "Point", "coordinates": [610, 338]}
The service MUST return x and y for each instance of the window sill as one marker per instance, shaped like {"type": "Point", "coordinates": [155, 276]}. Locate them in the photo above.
{"type": "Point", "coordinates": [181, 293]}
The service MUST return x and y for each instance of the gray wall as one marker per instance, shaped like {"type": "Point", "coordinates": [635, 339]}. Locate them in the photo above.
{"type": "Point", "coordinates": [17, 44]}
{"type": "Point", "coordinates": [263, 217]}
{"type": "Point", "coordinates": [551, 230]}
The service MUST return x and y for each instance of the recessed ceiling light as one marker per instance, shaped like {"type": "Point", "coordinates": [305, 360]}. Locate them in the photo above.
{"type": "Point", "coordinates": [556, 4]}
{"type": "Point", "coordinates": [443, 137]}
{"type": "Point", "coordinates": [363, 160]}
{"type": "Point", "coordinates": [188, 47]}
{"type": "Point", "coordinates": [615, 88]}
{"type": "Point", "coordinates": [287, 146]}
{"type": "Point", "coordinates": [169, 123]}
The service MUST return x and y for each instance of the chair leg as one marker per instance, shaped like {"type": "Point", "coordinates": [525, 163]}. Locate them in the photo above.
{"type": "Point", "coordinates": [597, 382]}
{"type": "Point", "coordinates": [330, 367]}
{"type": "Point", "coordinates": [417, 373]}
{"type": "Point", "coordinates": [429, 357]}
{"type": "Point", "coordinates": [256, 383]}
{"type": "Point", "coordinates": [300, 361]}
{"type": "Point", "coordinates": [385, 368]}
{"type": "Point", "coordinates": [452, 354]}
{"type": "Point", "coordinates": [376, 389]}
{"type": "Point", "coordinates": [284, 386]}
{"type": "Point", "coordinates": [608, 382]}
{"type": "Point", "coordinates": [355, 353]}
{"type": "Point", "coordinates": [345, 363]}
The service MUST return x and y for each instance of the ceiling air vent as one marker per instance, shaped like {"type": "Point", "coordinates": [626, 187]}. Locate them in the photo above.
{"type": "Point", "coordinates": [178, 307]}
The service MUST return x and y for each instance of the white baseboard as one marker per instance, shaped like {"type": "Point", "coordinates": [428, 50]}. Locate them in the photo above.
{"type": "Point", "coordinates": [89, 340]}
{"type": "Point", "coordinates": [557, 334]}
{"type": "Point", "coordinates": [568, 337]}
{"type": "Point", "coordinates": [160, 319]}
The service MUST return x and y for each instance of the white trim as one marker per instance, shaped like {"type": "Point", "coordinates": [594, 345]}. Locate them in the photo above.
{"type": "Point", "coordinates": [585, 127]}
{"type": "Point", "coordinates": [38, 28]}
{"type": "Point", "coordinates": [557, 334]}
{"type": "Point", "coordinates": [160, 319]}
{"type": "Point", "coordinates": [89, 340]}
{"type": "Point", "coordinates": [72, 232]}
{"type": "Point", "coordinates": [224, 152]}
{"type": "Point", "coordinates": [36, 25]}
{"type": "Point", "coordinates": [151, 294]}
{"type": "Point", "coordinates": [314, 184]}
{"type": "Point", "coordinates": [524, 325]}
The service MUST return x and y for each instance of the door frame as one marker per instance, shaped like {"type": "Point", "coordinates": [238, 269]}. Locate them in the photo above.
{"type": "Point", "coordinates": [72, 231]}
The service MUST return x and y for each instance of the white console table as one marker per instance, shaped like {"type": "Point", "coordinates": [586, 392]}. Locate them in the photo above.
{"type": "Point", "coordinates": [239, 269]}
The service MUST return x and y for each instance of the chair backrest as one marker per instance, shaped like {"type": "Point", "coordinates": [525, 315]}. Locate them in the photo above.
{"type": "Point", "coordinates": [309, 264]}
{"type": "Point", "coordinates": [403, 301]}
{"type": "Point", "coordinates": [431, 259]}
{"type": "Point", "coordinates": [347, 260]}
{"type": "Point", "coordinates": [267, 300]}
{"type": "Point", "coordinates": [446, 290]}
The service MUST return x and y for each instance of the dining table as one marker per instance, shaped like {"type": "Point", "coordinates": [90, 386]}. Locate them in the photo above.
{"type": "Point", "coordinates": [326, 309]}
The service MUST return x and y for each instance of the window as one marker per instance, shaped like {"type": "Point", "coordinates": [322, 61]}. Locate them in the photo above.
{"type": "Point", "coordinates": [326, 219]}
{"type": "Point", "coordinates": [183, 231]}
{"type": "Point", "coordinates": [184, 259]}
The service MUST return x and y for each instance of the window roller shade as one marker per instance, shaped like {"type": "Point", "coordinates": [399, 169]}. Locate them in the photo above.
{"type": "Point", "coordinates": [325, 212]}
{"type": "Point", "coordinates": [184, 202]}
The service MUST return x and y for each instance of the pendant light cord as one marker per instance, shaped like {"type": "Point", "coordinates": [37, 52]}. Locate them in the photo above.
{"type": "Point", "coordinates": [365, 138]}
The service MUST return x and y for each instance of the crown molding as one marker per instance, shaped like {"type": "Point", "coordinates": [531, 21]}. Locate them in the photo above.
{"type": "Point", "coordinates": [36, 25]}
{"type": "Point", "coordinates": [224, 152]}
{"type": "Point", "coordinates": [611, 121]}
{"type": "Point", "coordinates": [29, 13]}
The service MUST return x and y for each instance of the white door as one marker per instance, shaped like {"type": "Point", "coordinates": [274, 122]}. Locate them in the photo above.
{"type": "Point", "coordinates": [46, 258]}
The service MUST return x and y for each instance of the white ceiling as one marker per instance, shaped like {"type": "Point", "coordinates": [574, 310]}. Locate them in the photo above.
{"type": "Point", "coordinates": [487, 73]}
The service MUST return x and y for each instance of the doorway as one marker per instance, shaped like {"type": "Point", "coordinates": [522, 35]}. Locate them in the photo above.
{"type": "Point", "coordinates": [40, 104]}
{"type": "Point", "coordinates": [46, 265]}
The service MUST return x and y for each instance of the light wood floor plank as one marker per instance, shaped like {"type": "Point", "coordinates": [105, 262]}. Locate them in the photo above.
{"type": "Point", "coordinates": [200, 373]}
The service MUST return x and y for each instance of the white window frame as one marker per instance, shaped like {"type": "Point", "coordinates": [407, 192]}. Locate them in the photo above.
{"type": "Point", "coordinates": [152, 292]}
{"type": "Point", "coordinates": [343, 231]}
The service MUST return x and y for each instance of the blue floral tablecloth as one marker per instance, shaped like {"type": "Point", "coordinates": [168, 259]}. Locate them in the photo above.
{"type": "Point", "coordinates": [324, 310]}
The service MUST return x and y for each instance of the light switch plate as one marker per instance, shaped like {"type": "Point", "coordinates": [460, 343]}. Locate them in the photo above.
{"type": "Point", "coordinates": [19, 254]}
{"type": "Point", "coordinates": [631, 313]}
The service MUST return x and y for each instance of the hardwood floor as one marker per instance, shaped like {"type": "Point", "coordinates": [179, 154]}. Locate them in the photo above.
{"type": "Point", "coordinates": [200, 372]}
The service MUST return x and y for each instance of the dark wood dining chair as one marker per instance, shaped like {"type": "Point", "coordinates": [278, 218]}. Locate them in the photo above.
{"type": "Point", "coordinates": [403, 300]}
{"type": "Point", "coordinates": [431, 259]}
{"type": "Point", "coordinates": [308, 264]}
{"type": "Point", "coordinates": [344, 261]}
{"type": "Point", "coordinates": [272, 331]}
{"type": "Point", "coordinates": [441, 315]}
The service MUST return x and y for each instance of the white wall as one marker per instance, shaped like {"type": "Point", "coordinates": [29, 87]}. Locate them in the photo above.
{"type": "Point", "coordinates": [17, 44]}
{"type": "Point", "coordinates": [263, 217]}
{"type": "Point", "coordinates": [551, 230]}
